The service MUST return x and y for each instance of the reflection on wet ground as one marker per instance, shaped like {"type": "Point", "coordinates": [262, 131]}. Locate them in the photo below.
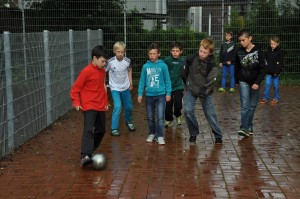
{"type": "Point", "coordinates": [266, 165]}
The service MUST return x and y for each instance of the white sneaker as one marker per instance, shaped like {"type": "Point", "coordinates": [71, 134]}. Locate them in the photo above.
{"type": "Point", "coordinates": [161, 140]}
{"type": "Point", "coordinates": [150, 138]}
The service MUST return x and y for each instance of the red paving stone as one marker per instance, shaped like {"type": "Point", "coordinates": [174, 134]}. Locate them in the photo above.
{"type": "Point", "coordinates": [266, 165]}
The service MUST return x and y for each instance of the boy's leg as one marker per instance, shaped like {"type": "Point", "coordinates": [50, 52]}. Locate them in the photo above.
{"type": "Point", "coordinates": [178, 95]}
{"type": "Point", "coordinates": [267, 88]}
{"type": "Point", "coordinates": [127, 101]}
{"type": "Point", "coordinates": [117, 109]}
{"type": "Point", "coordinates": [160, 105]}
{"type": "Point", "coordinates": [245, 104]}
{"type": "Point", "coordinates": [211, 116]}
{"type": "Point", "coordinates": [99, 130]}
{"type": "Point", "coordinates": [224, 75]}
{"type": "Point", "coordinates": [189, 114]}
{"type": "Point", "coordinates": [276, 87]}
{"type": "Point", "coordinates": [169, 108]}
{"type": "Point", "coordinates": [87, 141]}
{"type": "Point", "coordinates": [254, 98]}
{"type": "Point", "coordinates": [232, 79]}
{"type": "Point", "coordinates": [150, 109]}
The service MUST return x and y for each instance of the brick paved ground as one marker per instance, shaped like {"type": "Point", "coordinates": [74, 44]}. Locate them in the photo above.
{"type": "Point", "coordinates": [266, 165]}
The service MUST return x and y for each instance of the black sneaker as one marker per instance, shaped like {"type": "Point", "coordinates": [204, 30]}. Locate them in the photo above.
{"type": "Point", "coordinates": [218, 141]}
{"type": "Point", "coordinates": [193, 138]}
{"type": "Point", "coordinates": [242, 132]}
{"type": "Point", "coordinates": [86, 161]}
{"type": "Point", "coordinates": [130, 126]}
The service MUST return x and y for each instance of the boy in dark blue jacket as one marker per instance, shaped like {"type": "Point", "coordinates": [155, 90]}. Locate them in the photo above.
{"type": "Point", "coordinates": [274, 60]}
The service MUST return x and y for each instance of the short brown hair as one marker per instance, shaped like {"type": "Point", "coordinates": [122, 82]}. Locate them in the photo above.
{"type": "Point", "coordinates": [229, 32]}
{"type": "Point", "coordinates": [274, 38]}
{"type": "Point", "coordinates": [153, 46]}
{"type": "Point", "coordinates": [208, 43]}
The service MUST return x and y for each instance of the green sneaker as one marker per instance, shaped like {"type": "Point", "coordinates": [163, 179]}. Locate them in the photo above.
{"type": "Point", "coordinates": [221, 90]}
{"type": "Point", "coordinates": [179, 120]}
{"type": "Point", "coordinates": [168, 124]}
{"type": "Point", "coordinates": [231, 90]}
{"type": "Point", "coordinates": [115, 132]}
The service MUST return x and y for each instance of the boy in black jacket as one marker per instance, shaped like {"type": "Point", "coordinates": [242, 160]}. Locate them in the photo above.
{"type": "Point", "coordinates": [199, 74]}
{"type": "Point", "coordinates": [249, 73]}
{"type": "Point", "coordinates": [274, 60]}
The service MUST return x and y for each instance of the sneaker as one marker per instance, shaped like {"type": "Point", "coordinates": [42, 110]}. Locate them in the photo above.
{"type": "Point", "coordinates": [150, 138]}
{"type": "Point", "coordinates": [130, 126]}
{"type": "Point", "coordinates": [179, 120]}
{"type": "Point", "coordinates": [221, 90]}
{"type": "Point", "coordinates": [274, 101]}
{"type": "Point", "coordinates": [115, 132]}
{"type": "Point", "coordinates": [86, 161]}
{"type": "Point", "coordinates": [168, 124]}
{"type": "Point", "coordinates": [250, 132]}
{"type": "Point", "coordinates": [263, 101]}
{"type": "Point", "coordinates": [241, 132]}
{"type": "Point", "coordinates": [218, 141]}
{"type": "Point", "coordinates": [193, 138]}
{"type": "Point", "coordinates": [161, 140]}
{"type": "Point", "coordinates": [231, 90]}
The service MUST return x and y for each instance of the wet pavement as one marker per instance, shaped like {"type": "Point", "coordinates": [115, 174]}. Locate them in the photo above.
{"type": "Point", "coordinates": [266, 165]}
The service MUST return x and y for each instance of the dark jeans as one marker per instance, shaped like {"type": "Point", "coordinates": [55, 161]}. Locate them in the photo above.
{"type": "Point", "coordinates": [93, 131]}
{"type": "Point", "coordinates": [176, 99]}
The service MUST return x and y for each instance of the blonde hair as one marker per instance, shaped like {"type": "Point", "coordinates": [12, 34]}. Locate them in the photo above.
{"type": "Point", "coordinates": [208, 43]}
{"type": "Point", "coordinates": [119, 45]}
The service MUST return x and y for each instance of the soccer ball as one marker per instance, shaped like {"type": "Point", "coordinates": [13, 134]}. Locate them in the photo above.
{"type": "Point", "coordinates": [99, 161]}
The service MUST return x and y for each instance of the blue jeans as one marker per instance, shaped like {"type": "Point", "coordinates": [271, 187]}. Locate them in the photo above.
{"type": "Point", "coordinates": [249, 100]}
{"type": "Point", "coordinates": [269, 81]}
{"type": "Point", "coordinates": [118, 97]}
{"type": "Point", "coordinates": [155, 107]}
{"type": "Point", "coordinates": [209, 112]}
{"type": "Point", "coordinates": [228, 69]}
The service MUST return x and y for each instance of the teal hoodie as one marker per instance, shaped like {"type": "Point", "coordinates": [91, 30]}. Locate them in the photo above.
{"type": "Point", "coordinates": [155, 79]}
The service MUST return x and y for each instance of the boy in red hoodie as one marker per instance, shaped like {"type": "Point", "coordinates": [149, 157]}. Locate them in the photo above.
{"type": "Point", "coordinates": [89, 94]}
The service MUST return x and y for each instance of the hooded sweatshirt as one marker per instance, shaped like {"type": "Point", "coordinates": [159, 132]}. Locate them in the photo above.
{"type": "Point", "coordinates": [250, 66]}
{"type": "Point", "coordinates": [155, 79]}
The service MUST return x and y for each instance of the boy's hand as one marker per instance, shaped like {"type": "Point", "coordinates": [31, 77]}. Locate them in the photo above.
{"type": "Point", "coordinates": [130, 87]}
{"type": "Point", "coordinates": [106, 107]}
{"type": "Point", "coordinates": [255, 86]}
{"type": "Point", "coordinates": [140, 99]}
{"type": "Point", "coordinates": [168, 98]}
{"type": "Point", "coordinates": [228, 62]}
{"type": "Point", "coordinates": [77, 108]}
{"type": "Point", "coordinates": [220, 64]}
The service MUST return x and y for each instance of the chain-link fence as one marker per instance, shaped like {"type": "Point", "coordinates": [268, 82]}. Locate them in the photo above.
{"type": "Point", "coordinates": [138, 23]}
{"type": "Point", "coordinates": [36, 77]}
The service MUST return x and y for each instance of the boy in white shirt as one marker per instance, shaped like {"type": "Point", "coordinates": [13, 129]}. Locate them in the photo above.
{"type": "Point", "coordinates": [120, 83]}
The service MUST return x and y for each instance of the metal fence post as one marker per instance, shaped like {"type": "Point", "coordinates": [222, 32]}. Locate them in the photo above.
{"type": "Point", "coordinates": [9, 91]}
{"type": "Point", "coordinates": [88, 33]}
{"type": "Point", "coordinates": [100, 36]}
{"type": "Point", "coordinates": [71, 44]}
{"type": "Point", "coordinates": [47, 76]}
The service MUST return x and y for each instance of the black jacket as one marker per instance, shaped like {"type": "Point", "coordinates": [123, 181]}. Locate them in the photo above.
{"type": "Point", "coordinates": [250, 66]}
{"type": "Point", "coordinates": [227, 52]}
{"type": "Point", "coordinates": [274, 60]}
{"type": "Point", "coordinates": [199, 75]}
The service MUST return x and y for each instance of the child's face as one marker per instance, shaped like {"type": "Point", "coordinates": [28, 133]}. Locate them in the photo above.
{"type": "Point", "coordinates": [176, 52]}
{"type": "Point", "coordinates": [100, 62]}
{"type": "Point", "coordinates": [203, 53]}
{"type": "Point", "coordinates": [120, 53]}
{"type": "Point", "coordinates": [245, 41]}
{"type": "Point", "coordinates": [273, 44]}
{"type": "Point", "coordinates": [228, 37]}
{"type": "Point", "coordinates": [153, 55]}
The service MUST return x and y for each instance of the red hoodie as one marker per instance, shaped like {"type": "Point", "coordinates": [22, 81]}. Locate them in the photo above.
{"type": "Point", "coordinates": [89, 89]}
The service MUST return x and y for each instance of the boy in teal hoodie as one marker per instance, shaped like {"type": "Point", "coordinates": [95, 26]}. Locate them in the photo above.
{"type": "Point", "coordinates": [155, 80]}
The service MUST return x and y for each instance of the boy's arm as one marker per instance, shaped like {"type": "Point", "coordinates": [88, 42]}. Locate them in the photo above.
{"type": "Point", "coordinates": [220, 55]}
{"type": "Point", "coordinates": [211, 78]}
{"type": "Point", "coordinates": [130, 78]}
{"type": "Point", "coordinates": [262, 67]}
{"type": "Point", "coordinates": [76, 88]}
{"type": "Point", "coordinates": [237, 67]}
{"type": "Point", "coordinates": [142, 82]}
{"type": "Point", "coordinates": [167, 81]}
